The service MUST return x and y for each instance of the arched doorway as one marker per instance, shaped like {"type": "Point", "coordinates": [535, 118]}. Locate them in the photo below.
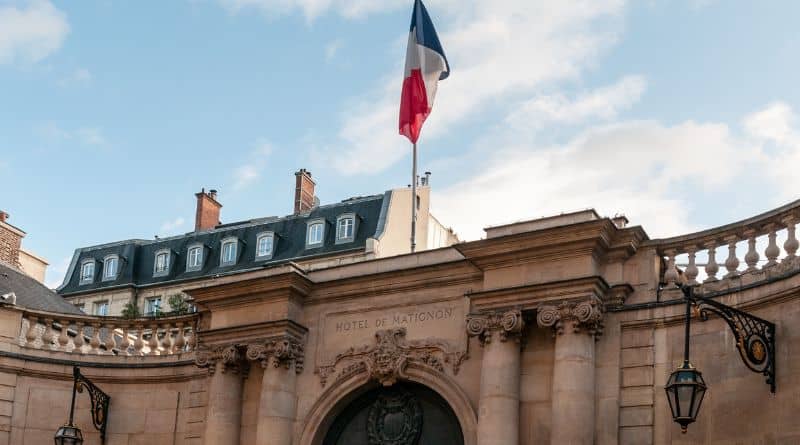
{"type": "Point", "coordinates": [403, 414]}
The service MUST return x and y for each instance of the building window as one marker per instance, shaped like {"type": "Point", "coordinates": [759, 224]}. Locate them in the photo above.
{"type": "Point", "coordinates": [228, 252]}
{"type": "Point", "coordinates": [80, 306]}
{"type": "Point", "coordinates": [152, 306]}
{"type": "Point", "coordinates": [316, 233]}
{"type": "Point", "coordinates": [101, 308]}
{"type": "Point", "coordinates": [87, 272]}
{"type": "Point", "coordinates": [110, 267]}
{"type": "Point", "coordinates": [345, 228]}
{"type": "Point", "coordinates": [194, 258]}
{"type": "Point", "coordinates": [161, 266]}
{"type": "Point", "coordinates": [264, 245]}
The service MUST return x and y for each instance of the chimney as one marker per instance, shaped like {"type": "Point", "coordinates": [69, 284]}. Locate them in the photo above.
{"type": "Point", "coordinates": [10, 241]}
{"type": "Point", "coordinates": [304, 199]}
{"type": "Point", "coordinates": [207, 214]}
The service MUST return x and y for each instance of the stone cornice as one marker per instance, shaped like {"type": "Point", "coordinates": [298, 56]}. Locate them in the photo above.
{"type": "Point", "coordinates": [291, 284]}
{"type": "Point", "coordinates": [504, 325]}
{"type": "Point", "coordinates": [598, 238]}
{"type": "Point", "coordinates": [396, 281]}
{"type": "Point", "coordinates": [583, 315]}
{"type": "Point", "coordinates": [241, 334]}
{"type": "Point", "coordinates": [530, 297]}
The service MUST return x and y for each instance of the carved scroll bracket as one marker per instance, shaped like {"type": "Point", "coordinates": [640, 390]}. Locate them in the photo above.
{"type": "Point", "coordinates": [280, 352]}
{"type": "Point", "coordinates": [584, 316]}
{"type": "Point", "coordinates": [505, 325]}
{"type": "Point", "coordinates": [387, 360]}
{"type": "Point", "coordinates": [230, 356]}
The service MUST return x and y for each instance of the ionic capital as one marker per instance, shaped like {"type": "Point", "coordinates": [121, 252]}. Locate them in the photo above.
{"type": "Point", "coordinates": [229, 356]}
{"type": "Point", "coordinates": [584, 315]}
{"type": "Point", "coordinates": [278, 352]}
{"type": "Point", "coordinates": [505, 325]}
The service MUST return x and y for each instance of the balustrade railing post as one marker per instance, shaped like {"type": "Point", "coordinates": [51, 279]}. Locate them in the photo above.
{"type": "Point", "coordinates": [154, 340]}
{"type": "Point", "coordinates": [751, 257]}
{"type": "Point", "coordinates": [732, 262]}
{"type": "Point", "coordinates": [33, 332]}
{"type": "Point", "coordinates": [691, 271]}
{"type": "Point", "coordinates": [791, 244]}
{"type": "Point", "coordinates": [772, 251]}
{"type": "Point", "coordinates": [711, 267]}
{"type": "Point", "coordinates": [79, 342]}
{"type": "Point", "coordinates": [95, 341]}
{"type": "Point", "coordinates": [671, 274]}
{"type": "Point", "coordinates": [111, 342]}
{"type": "Point", "coordinates": [180, 340]}
{"type": "Point", "coordinates": [138, 344]}
{"type": "Point", "coordinates": [126, 341]}
{"type": "Point", "coordinates": [63, 338]}
{"type": "Point", "coordinates": [47, 337]}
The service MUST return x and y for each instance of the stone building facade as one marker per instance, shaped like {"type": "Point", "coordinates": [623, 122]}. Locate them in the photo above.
{"type": "Point", "coordinates": [561, 330]}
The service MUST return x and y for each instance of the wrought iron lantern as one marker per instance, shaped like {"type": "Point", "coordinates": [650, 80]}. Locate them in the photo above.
{"type": "Point", "coordinates": [755, 340]}
{"type": "Point", "coordinates": [70, 434]}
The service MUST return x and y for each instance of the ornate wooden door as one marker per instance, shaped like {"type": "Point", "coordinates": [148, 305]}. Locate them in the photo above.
{"type": "Point", "coordinates": [403, 414]}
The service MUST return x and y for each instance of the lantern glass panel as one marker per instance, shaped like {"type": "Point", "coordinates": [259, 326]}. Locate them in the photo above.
{"type": "Point", "coordinates": [685, 396]}
{"type": "Point", "coordinates": [68, 435]}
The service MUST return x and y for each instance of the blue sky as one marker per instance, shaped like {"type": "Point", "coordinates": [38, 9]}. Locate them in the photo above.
{"type": "Point", "coordinates": [680, 114]}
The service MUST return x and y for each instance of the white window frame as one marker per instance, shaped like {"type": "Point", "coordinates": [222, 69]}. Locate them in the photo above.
{"type": "Point", "coordinates": [189, 266]}
{"type": "Point", "coordinates": [262, 236]}
{"type": "Point", "coordinates": [232, 240]}
{"type": "Point", "coordinates": [148, 306]}
{"type": "Point", "coordinates": [311, 224]}
{"type": "Point", "coordinates": [97, 305]}
{"type": "Point", "coordinates": [81, 307]}
{"type": "Point", "coordinates": [106, 262]}
{"type": "Point", "coordinates": [167, 264]}
{"type": "Point", "coordinates": [90, 279]}
{"type": "Point", "coordinates": [353, 227]}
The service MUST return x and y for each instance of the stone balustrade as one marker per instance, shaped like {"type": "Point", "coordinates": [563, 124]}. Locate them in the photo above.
{"type": "Point", "coordinates": [747, 251]}
{"type": "Point", "coordinates": [84, 334]}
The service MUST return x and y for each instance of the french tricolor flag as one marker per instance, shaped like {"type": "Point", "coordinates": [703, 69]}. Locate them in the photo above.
{"type": "Point", "coordinates": [426, 65]}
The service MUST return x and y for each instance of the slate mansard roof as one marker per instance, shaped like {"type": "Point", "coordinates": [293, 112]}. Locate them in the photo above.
{"type": "Point", "coordinates": [32, 294]}
{"type": "Point", "coordinates": [137, 257]}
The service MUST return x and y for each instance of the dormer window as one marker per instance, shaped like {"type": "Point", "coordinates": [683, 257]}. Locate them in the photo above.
{"type": "Point", "coordinates": [228, 252]}
{"type": "Point", "coordinates": [110, 267]}
{"type": "Point", "coordinates": [162, 263]}
{"type": "Point", "coordinates": [194, 258]}
{"type": "Point", "coordinates": [345, 228]}
{"type": "Point", "coordinates": [87, 272]}
{"type": "Point", "coordinates": [265, 243]}
{"type": "Point", "coordinates": [316, 233]}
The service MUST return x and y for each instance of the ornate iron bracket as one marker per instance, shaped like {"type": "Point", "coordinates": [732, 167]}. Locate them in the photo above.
{"type": "Point", "coordinates": [100, 401]}
{"type": "Point", "coordinates": [755, 337]}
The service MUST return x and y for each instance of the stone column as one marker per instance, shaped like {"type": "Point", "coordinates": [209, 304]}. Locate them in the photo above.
{"type": "Point", "coordinates": [576, 323]}
{"type": "Point", "coordinates": [227, 369]}
{"type": "Point", "coordinates": [498, 408]}
{"type": "Point", "coordinates": [282, 360]}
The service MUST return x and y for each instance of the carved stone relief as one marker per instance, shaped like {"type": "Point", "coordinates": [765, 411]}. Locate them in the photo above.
{"type": "Point", "coordinates": [278, 352]}
{"type": "Point", "coordinates": [229, 355]}
{"type": "Point", "coordinates": [584, 315]}
{"type": "Point", "coordinates": [504, 325]}
{"type": "Point", "coordinates": [387, 359]}
{"type": "Point", "coordinates": [395, 418]}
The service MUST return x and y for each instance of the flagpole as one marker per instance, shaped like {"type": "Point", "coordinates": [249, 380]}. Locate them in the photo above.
{"type": "Point", "coordinates": [414, 200]}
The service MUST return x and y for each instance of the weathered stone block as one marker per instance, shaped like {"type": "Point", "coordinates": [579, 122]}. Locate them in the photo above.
{"type": "Point", "coordinates": [638, 376]}
{"type": "Point", "coordinates": [637, 356]}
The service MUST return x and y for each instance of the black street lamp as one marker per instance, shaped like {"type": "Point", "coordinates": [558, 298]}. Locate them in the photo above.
{"type": "Point", "coordinates": [70, 434]}
{"type": "Point", "coordinates": [755, 340]}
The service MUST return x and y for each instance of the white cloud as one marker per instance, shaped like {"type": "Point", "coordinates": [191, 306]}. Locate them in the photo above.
{"type": "Point", "coordinates": [80, 76]}
{"type": "Point", "coordinates": [604, 103]}
{"type": "Point", "coordinates": [641, 168]}
{"type": "Point", "coordinates": [772, 123]}
{"type": "Point", "coordinates": [498, 51]}
{"type": "Point", "coordinates": [332, 48]}
{"type": "Point", "coordinates": [246, 174]}
{"type": "Point", "coordinates": [32, 33]}
{"type": "Point", "coordinates": [169, 227]}
{"type": "Point", "coordinates": [55, 273]}
{"type": "Point", "coordinates": [311, 9]}
{"type": "Point", "coordinates": [90, 136]}
{"type": "Point", "coordinates": [84, 135]}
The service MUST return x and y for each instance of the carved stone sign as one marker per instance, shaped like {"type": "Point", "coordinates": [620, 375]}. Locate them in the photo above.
{"type": "Point", "coordinates": [386, 358]}
{"type": "Point", "coordinates": [443, 320]}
